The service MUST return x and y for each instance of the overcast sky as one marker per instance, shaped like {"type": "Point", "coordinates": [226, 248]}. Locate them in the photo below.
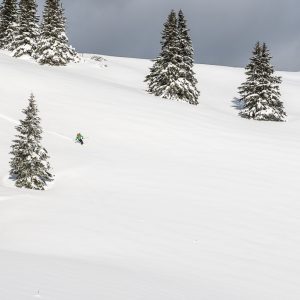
{"type": "Point", "coordinates": [223, 31]}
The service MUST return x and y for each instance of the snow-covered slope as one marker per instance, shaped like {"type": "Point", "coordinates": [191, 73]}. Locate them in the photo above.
{"type": "Point", "coordinates": [165, 200]}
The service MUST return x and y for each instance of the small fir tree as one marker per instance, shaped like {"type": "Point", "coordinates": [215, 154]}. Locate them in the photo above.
{"type": "Point", "coordinates": [260, 93]}
{"type": "Point", "coordinates": [28, 30]}
{"type": "Point", "coordinates": [8, 23]}
{"type": "Point", "coordinates": [29, 164]}
{"type": "Point", "coordinates": [53, 48]}
{"type": "Point", "coordinates": [189, 91]}
{"type": "Point", "coordinates": [163, 79]}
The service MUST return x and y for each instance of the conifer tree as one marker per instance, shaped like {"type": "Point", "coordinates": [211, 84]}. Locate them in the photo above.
{"type": "Point", "coordinates": [189, 91]}
{"type": "Point", "coordinates": [29, 164]}
{"type": "Point", "coordinates": [171, 75]}
{"type": "Point", "coordinates": [8, 23]}
{"type": "Point", "coordinates": [164, 74]}
{"type": "Point", "coordinates": [28, 29]}
{"type": "Point", "coordinates": [53, 48]}
{"type": "Point", "coordinates": [260, 92]}
{"type": "Point", "coordinates": [1, 11]}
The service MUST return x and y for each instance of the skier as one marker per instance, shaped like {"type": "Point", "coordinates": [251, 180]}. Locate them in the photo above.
{"type": "Point", "coordinates": [79, 138]}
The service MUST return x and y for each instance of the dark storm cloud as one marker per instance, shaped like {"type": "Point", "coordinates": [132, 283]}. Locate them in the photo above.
{"type": "Point", "coordinates": [223, 31]}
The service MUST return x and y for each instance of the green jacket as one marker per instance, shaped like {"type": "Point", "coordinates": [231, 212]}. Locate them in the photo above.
{"type": "Point", "coordinates": [79, 136]}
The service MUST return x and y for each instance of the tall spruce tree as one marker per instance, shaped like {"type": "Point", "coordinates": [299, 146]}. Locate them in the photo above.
{"type": "Point", "coordinates": [189, 91]}
{"type": "Point", "coordinates": [260, 92]}
{"type": "Point", "coordinates": [28, 29]}
{"type": "Point", "coordinates": [171, 75]}
{"type": "Point", "coordinates": [29, 164]}
{"type": "Point", "coordinates": [53, 48]}
{"type": "Point", "coordinates": [8, 23]}
{"type": "Point", "coordinates": [164, 74]}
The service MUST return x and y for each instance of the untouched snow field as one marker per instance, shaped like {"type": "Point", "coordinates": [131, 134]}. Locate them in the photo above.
{"type": "Point", "coordinates": [165, 201]}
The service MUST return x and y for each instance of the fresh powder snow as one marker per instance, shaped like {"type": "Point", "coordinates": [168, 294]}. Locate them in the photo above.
{"type": "Point", "coordinates": [165, 201]}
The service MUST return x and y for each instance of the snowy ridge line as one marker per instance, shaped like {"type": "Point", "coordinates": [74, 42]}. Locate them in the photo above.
{"type": "Point", "coordinates": [11, 120]}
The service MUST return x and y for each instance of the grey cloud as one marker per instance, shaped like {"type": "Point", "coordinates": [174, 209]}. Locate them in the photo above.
{"type": "Point", "coordinates": [223, 31]}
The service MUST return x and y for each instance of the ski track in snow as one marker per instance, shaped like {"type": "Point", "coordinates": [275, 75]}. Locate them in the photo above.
{"type": "Point", "coordinates": [8, 119]}
{"type": "Point", "coordinates": [60, 135]}
{"type": "Point", "coordinates": [11, 120]}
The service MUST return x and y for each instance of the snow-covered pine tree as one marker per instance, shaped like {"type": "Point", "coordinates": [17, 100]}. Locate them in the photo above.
{"type": "Point", "coordinates": [260, 92]}
{"type": "Point", "coordinates": [29, 164]}
{"type": "Point", "coordinates": [28, 29]}
{"type": "Point", "coordinates": [8, 23]}
{"type": "Point", "coordinates": [163, 79]}
{"type": "Point", "coordinates": [53, 48]}
{"type": "Point", "coordinates": [3, 23]}
{"type": "Point", "coordinates": [171, 75]}
{"type": "Point", "coordinates": [189, 91]}
{"type": "Point", "coordinates": [1, 9]}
